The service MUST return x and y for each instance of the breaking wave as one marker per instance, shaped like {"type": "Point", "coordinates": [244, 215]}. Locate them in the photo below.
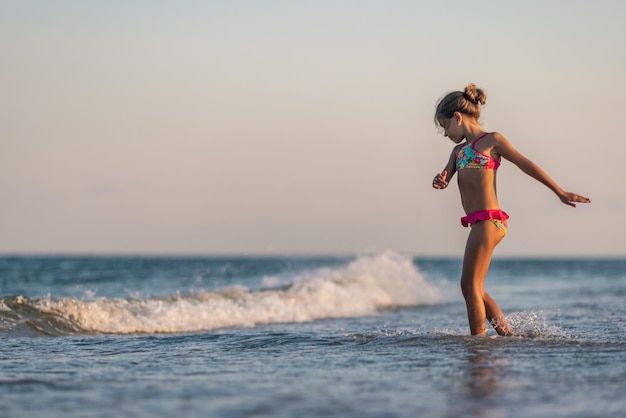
{"type": "Point", "coordinates": [363, 287]}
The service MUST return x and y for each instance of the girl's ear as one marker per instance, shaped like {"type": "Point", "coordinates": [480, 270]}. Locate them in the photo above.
{"type": "Point", "coordinates": [458, 117]}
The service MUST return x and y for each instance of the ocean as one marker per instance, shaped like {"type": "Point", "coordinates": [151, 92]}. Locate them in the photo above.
{"type": "Point", "coordinates": [376, 335]}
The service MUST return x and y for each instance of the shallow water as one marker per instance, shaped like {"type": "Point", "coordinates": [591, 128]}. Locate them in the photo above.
{"type": "Point", "coordinates": [374, 336]}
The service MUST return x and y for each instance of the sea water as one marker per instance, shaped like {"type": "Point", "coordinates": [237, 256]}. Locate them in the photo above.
{"type": "Point", "coordinates": [381, 335]}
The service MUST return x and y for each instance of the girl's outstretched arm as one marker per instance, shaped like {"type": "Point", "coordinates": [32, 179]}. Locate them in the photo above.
{"type": "Point", "coordinates": [442, 179]}
{"type": "Point", "coordinates": [504, 148]}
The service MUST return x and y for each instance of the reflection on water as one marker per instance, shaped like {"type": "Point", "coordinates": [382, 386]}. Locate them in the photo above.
{"type": "Point", "coordinates": [482, 381]}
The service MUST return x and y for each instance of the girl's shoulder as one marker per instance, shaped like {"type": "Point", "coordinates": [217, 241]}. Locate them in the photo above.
{"type": "Point", "coordinates": [495, 140]}
{"type": "Point", "coordinates": [490, 144]}
{"type": "Point", "coordinates": [502, 146]}
{"type": "Point", "coordinates": [497, 137]}
{"type": "Point", "coordinates": [458, 147]}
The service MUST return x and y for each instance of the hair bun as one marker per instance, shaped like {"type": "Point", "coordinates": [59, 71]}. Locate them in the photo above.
{"type": "Point", "coordinates": [475, 95]}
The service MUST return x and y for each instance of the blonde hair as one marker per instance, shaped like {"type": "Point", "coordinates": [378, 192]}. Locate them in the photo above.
{"type": "Point", "coordinates": [468, 102]}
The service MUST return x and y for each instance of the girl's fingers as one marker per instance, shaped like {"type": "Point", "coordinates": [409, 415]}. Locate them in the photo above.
{"type": "Point", "coordinates": [571, 198]}
{"type": "Point", "coordinates": [439, 184]}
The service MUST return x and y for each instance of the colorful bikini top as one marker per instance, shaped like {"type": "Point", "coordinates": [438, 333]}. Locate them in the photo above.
{"type": "Point", "coordinates": [469, 157]}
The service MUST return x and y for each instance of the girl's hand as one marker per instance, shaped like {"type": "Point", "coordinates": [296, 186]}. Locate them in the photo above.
{"type": "Point", "coordinates": [571, 199]}
{"type": "Point", "coordinates": [439, 182]}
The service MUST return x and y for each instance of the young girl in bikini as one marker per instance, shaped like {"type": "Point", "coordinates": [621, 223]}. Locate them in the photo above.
{"type": "Point", "coordinates": [476, 160]}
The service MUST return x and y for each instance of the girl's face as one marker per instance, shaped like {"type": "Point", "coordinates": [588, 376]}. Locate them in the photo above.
{"type": "Point", "coordinates": [452, 128]}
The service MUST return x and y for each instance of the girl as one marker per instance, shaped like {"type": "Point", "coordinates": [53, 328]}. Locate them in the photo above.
{"type": "Point", "coordinates": [476, 159]}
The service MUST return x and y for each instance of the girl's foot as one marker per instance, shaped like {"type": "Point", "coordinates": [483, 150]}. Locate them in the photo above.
{"type": "Point", "coordinates": [501, 326]}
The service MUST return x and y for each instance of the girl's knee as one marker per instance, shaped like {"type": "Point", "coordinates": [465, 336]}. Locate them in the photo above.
{"type": "Point", "coordinates": [470, 288]}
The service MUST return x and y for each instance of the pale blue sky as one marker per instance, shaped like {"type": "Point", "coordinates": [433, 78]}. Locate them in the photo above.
{"type": "Point", "coordinates": [301, 127]}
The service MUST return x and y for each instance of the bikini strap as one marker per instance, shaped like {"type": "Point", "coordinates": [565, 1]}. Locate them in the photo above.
{"type": "Point", "coordinates": [479, 138]}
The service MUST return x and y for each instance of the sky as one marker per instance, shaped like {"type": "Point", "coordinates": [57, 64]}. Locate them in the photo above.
{"type": "Point", "coordinates": [301, 127]}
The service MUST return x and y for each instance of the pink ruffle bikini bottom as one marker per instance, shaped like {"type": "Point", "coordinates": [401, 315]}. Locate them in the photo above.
{"type": "Point", "coordinates": [497, 216]}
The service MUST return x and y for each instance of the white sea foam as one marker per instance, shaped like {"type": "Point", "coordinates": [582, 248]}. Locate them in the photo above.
{"type": "Point", "coordinates": [534, 324]}
{"type": "Point", "coordinates": [363, 287]}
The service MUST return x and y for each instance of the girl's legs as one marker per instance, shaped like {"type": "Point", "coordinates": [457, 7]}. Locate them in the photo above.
{"type": "Point", "coordinates": [483, 238]}
{"type": "Point", "coordinates": [495, 316]}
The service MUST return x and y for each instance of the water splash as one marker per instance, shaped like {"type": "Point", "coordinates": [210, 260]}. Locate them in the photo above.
{"type": "Point", "coordinates": [534, 324]}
